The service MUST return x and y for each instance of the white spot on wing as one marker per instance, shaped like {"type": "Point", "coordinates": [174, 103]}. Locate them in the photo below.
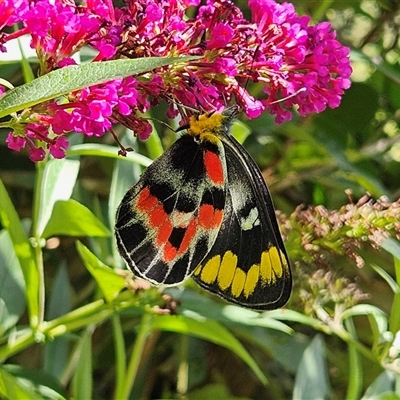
{"type": "Point", "coordinates": [247, 223]}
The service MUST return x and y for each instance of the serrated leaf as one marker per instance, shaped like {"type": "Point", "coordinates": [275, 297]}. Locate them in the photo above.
{"type": "Point", "coordinates": [209, 330]}
{"type": "Point", "coordinates": [74, 77]}
{"type": "Point", "coordinates": [71, 218]}
{"type": "Point", "coordinates": [109, 281]}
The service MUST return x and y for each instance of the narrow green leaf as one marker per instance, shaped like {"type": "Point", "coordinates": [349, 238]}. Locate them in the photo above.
{"type": "Point", "coordinates": [392, 246]}
{"type": "Point", "coordinates": [23, 250]}
{"type": "Point", "coordinates": [379, 320]}
{"type": "Point", "coordinates": [388, 279]}
{"type": "Point", "coordinates": [109, 281]}
{"type": "Point", "coordinates": [312, 375]}
{"type": "Point", "coordinates": [58, 181]}
{"type": "Point", "coordinates": [75, 77]}
{"type": "Point", "coordinates": [40, 383]}
{"type": "Point", "coordinates": [355, 380]}
{"type": "Point", "coordinates": [394, 316]}
{"type": "Point", "coordinates": [226, 313]}
{"type": "Point", "coordinates": [102, 150]}
{"type": "Point", "coordinates": [209, 330]}
{"type": "Point", "coordinates": [11, 388]}
{"type": "Point", "coordinates": [214, 391]}
{"type": "Point", "coordinates": [125, 174]}
{"type": "Point", "coordinates": [383, 384]}
{"type": "Point", "coordinates": [12, 288]}
{"type": "Point", "coordinates": [56, 351]}
{"type": "Point", "coordinates": [71, 218]}
{"type": "Point", "coordinates": [82, 381]}
{"type": "Point", "coordinates": [240, 131]}
{"type": "Point", "coordinates": [154, 145]}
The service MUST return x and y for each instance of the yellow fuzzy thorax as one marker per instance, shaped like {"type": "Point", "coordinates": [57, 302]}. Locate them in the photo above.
{"type": "Point", "coordinates": [207, 126]}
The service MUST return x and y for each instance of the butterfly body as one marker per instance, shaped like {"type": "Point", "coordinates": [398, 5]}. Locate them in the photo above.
{"type": "Point", "coordinates": [203, 210]}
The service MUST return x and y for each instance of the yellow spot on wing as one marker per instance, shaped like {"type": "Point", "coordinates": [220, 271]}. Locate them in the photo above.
{"type": "Point", "coordinates": [271, 265]}
{"type": "Point", "coordinates": [238, 282]}
{"type": "Point", "coordinates": [284, 259]}
{"type": "Point", "coordinates": [227, 270]}
{"type": "Point", "coordinates": [210, 270]}
{"type": "Point", "coordinates": [251, 280]}
{"type": "Point", "coordinates": [276, 261]}
{"type": "Point", "coordinates": [265, 268]}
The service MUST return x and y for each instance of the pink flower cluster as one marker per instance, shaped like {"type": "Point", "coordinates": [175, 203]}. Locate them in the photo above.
{"type": "Point", "coordinates": [298, 65]}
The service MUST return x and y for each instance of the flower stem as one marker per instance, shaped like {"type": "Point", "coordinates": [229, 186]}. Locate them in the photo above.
{"type": "Point", "coordinates": [133, 367]}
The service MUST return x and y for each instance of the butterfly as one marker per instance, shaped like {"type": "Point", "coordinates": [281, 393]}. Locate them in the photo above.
{"type": "Point", "coordinates": [203, 209]}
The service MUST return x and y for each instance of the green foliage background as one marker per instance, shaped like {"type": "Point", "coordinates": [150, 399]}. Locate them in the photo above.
{"type": "Point", "coordinates": [74, 324]}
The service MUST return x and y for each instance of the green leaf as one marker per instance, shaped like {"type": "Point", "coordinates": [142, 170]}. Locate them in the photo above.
{"type": "Point", "coordinates": [102, 150]}
{"type": "Point", "coordinates": [383, 384]}
{"type": "Point", "coordinates": [71, 218]}
{"type": "Point", "coordinates": [75, 77]}
{"type": "Point", "coordinates": [56, 351]}
{"type": "Point", "coordinates": [193, 303]}
{"type": "Point", "coordinates": [214, 391]}
{"type": "Point", "coordinates": [312, 375]}
{"type": "Point", "coordinates": [23, 250]}
{"type": "Point", "coordinates": [11, 388]}
{"type": "Point", "coordinates": [125, 174]}
{"type": "Point", "coordinates": [378, 318]}
{"type": "Point", "coordinates": [209, 330]}
{"type": "Point", "coordinates": [240, 131]}
{"type": "Point", "coordinates": [109, 281]}
{"type": "Point", "coordinates": [82, 381]}
{"type": "Point", "coordinates": [58, 181]}
{"type": "Point", "coordinates": [392, 246]}
{"type": "Point", "coordinates": [12, 288]}
{"type": "Point", "coordinates": [39, 383]}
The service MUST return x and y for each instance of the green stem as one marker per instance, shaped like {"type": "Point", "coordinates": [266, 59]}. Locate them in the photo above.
{"type": "Point", "coordinates": [355, 369]}
{"type": "Point", "coordinates": [120, 356]}
{"type": "Point", "coordinates": [89, 314]}
{"type": "Point", "coordinates": [154, 145]}
{"type": "Point", "coordinates": [37, 245]}
{"type": "Point", "coordinates": [133, 367]}
{"type": "Point", "coordinates": [183, 370]}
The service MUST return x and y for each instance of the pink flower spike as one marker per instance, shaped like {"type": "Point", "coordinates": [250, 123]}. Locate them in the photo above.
{"type": "Point", "coordinates": [15, 143]}
{"type": "Point", "coordinates": [222, 34]}
{"type": "Point", "coordinates": [36, 154]}
{"type": "Point", "coordinates": [58, 148]}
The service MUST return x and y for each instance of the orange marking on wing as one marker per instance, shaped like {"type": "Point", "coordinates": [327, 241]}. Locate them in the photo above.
{"type": "Point", "coordinates": [146, 201]}
{"type": "Point", "coordinates": [206, 215]}
{"type": "Point", "coordinates": [164, 232]}
{"type": "Point", "coordinates": [189, 235]}
{"type": "Point", "coordinates": [218, 216]}
{"type": "Point", "coordinates": [214, 167]}
{"type": "Point", "coordinates": [157, 216]}
{"type": "Point", "coordinates": [169, 252]}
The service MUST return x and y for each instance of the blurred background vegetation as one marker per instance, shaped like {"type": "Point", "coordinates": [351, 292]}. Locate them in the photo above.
{"type": "Point", "coordinates": [335, 179]}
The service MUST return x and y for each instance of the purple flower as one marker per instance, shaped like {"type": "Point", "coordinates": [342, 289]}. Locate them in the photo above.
{"type": "Point", "coordinates": [297, 65]}
{"type": "Point", "coordinates": [15, 142]}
